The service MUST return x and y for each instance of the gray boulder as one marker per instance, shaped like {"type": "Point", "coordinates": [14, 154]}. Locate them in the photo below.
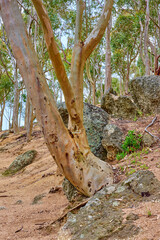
{"type": "Point", "coordinates": [103, 218]}
{"type": "Point", "coordinates": [20, 162]}
{"type": "Point", "coordinates": [146, 93]}
{"type": "Point", "coordinates": [147, 140]}
{"type": "Point", "coordinates": [112, 141]}
{"type": "Point", "coordinates": [119, 106]}
{"type": "Point", "coordinates": [94, 119]}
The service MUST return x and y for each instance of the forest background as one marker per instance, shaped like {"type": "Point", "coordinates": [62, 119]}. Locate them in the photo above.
{"type": "Point", "coordinates": [129, 48]}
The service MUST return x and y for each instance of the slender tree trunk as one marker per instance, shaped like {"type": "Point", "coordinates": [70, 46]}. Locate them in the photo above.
{"type": "Point", "coordinates": [91, 83]}
{"type": "Point", "coordinates": [30, 116]}
{"type": "Point", "coordinates": [30, 119]}
{"type": "Point", "coordinates": [16, 102]}
{"type": "Point", "coordinates": [108, 78]}
{"type": "Point", "coordinates": [147, 63]}
{"type": "Point", "coordinates": [127, 75]}
{"type": "Point", "coordinates": [141, 42]}
{"type": "Point", "coordinates": [1, 114]}
{"type": "Point", "coordinates": [158, 13]}
{"type": "Point", "coordinates": [121, 86]}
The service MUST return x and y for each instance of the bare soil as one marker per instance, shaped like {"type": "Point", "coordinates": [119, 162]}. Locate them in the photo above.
{"type": "Point", "coordinates": [22, 216]}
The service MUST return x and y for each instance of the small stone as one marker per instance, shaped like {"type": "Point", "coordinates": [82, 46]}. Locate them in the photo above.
{"type": "Point", "coordinates": [115, 204]}
{"type": "Point", "coordinates": [54, 189]}
{"type": "Point", "coordinates": [147, 140]}
{"type": "Point", "coordinates": [2, 208]}
{"type": "Point", "coordinates": [19, 202]}
{"type": "Point", "coordinates": [132, 216]}
{"type": "Point", "coordinates": [38, 198]}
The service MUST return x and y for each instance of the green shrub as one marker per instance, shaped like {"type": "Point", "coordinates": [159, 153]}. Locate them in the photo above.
{"type": "Point", "coordinates": [131, 143]}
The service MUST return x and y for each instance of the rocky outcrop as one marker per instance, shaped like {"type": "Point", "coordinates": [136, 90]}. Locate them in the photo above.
{"type": "Point", "coordinates": [20, 162]}
{"type": "Point", "coordinates": [94, 119]}
{"type": "Point", "coordinates": [102, 217]}
{"type": "Point", "coordinates": [145, 92]}
{"type": "Point", "coordinates": [119, 106]}
{"type": "Point", "coordinates": [112, 141]}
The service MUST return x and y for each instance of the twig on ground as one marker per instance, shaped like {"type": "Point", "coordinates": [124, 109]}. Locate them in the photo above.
{"type": "Point", "coordinates": [19, 230]}
{"type": "Point", "coordinates": [77, 206]}
{"type": "Point", "coordinates": [150, 126]}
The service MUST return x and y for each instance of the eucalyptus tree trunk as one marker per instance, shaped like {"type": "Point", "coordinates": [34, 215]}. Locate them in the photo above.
{"type": "Point", "coordinates": [108, 78]}
{"type": "Point", "coordinates": [16, 101]}
{"type": "Point", "coordinates": [128, 74]}
{"type": "Point", "coordinates": [69, 148]}
{"type": "Point", "coordinates": [29, 109]}
{"type": "Point", "coordinates": [29, 118]}
{"type": "Point", "coordinates": [2, 107]}
{"type": "Point", "coordinates": [147, 62]}
{"type": "Point", "coordinates": [92, 84]}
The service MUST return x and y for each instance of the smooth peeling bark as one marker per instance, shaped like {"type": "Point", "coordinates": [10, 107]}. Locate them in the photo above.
{"type": "Point", "coordinates": [71, 153]}
{"type": "Point", "coordinates": [98, 32]}
{"type": "Point", "coordinates": [57, 63]}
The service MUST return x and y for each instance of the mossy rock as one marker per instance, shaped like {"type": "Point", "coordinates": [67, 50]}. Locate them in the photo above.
{"type": "Point", "coordinates": [20, 162]}
{"type": "Point", "coordinates": [4, 135]}
{"type": "Point", "coordinates": [103, 218]}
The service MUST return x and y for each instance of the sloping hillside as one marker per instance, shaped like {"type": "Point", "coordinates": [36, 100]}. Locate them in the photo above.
{"type": "Point", "coordinates": [32, 199]}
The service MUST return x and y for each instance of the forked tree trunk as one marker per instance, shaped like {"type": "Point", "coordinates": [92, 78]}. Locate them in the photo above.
{"type": "Point", "coordinates": [69, 149]}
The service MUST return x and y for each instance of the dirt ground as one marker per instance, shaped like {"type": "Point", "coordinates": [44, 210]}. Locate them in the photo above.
{"type": "Point", "coordinates": [22, 216]}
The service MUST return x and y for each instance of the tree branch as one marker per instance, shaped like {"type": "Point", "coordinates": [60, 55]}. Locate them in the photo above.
{"type": "Point", "coordinates": [154, 23]}
{"type": "Point", "coordinates": [150, 126]}
{"type": "Point", "coordinates": [65, 58]}
{"type": "Point", "coordinates": [27, 12]}
{"type": "Point", "coordinates": [56, 60]}
{"type": "Point", "coordinates": [97, 33]}
{"type": "Point", "coordinates": [5, 68]}
{"type": "Point", "coordinates": [78, 33]}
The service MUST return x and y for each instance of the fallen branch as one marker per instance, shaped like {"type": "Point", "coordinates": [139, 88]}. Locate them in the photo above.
{"type": "Point", "coordinates": [150, 126]}
{"type": "Point", "coordinates": [65, 214]}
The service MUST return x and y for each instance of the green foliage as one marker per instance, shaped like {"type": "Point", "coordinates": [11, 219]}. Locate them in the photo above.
{"type": "Point", "coordinates": [131, 143]}
{"type": "Point", "coordinates": [115, 85]}
{"type": "Point", "coordinates": [149, 214]}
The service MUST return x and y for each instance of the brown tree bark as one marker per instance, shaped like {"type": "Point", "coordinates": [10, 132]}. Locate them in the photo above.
{"type": "Point", "coordinates": [69, 149]}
